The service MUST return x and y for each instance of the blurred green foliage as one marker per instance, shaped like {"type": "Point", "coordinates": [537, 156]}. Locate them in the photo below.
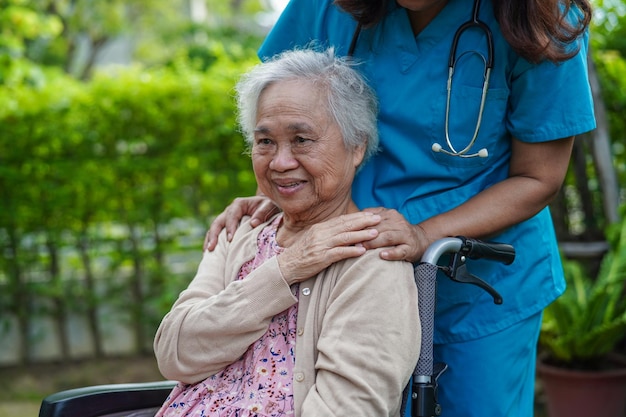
{"type": "Point", "coordinates": [608, 40]}
{"type": "Point", "coordinates": [132, 151]}
{"type": "Point", "coordinates": [71, 34]}
{"type": "Point", "coordinates": [589, 320]}
{"type": "Point", "coordinates": [108, 177]}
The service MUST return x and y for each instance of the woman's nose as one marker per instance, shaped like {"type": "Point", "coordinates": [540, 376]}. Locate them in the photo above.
{"type": "Point", "coordinates": [283, 159]}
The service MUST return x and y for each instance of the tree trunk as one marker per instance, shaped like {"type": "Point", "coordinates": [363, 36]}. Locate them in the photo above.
{"type": "Point", "coordinates": [601, 150]}
{"type": "Point", "coordinates": [137, 293]}
{"type": "Point", "coordinates": [579, 166]}
{"type": "Point", "coordinates": [58, 298]}
{"type": "Point", "coordinates": [21, 299]}
{"type": "Point", "coordinates": [93, 302]}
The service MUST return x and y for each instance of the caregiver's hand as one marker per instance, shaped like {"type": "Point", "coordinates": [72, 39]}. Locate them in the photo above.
{"type": "Point", "coordinates": [402, 240]}
{"type": "Point", "coordinates": [260, 208]}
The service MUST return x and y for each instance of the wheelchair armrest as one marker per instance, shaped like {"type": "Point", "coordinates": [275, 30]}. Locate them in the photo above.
{"type": "Point", "coordinates": [103, 400]}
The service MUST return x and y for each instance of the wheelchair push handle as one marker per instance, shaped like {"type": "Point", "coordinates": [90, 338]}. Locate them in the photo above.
{"type": "Point", "coordinates": [470, 248]}
{"type": "Point", "coordinates": [477, 249]}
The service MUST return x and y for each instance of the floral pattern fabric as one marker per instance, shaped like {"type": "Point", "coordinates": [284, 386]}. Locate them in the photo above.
{"type": "Point", "coordinates": [260, 383]}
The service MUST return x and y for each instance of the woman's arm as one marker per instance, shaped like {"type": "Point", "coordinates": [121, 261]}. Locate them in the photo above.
{"type": "Point", "coordinates": [369, 341]}
{"type": "Point", "coordinates": [214, 320]}
{"type": "Point", "coordinates": [537, 171]}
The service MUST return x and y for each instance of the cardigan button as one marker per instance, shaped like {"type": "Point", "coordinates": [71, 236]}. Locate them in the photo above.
{"type": "Point", "coordinates": [300, 331]}
{"type": "Point", "coordinates": [299, 377]}
{"type": "Point", "coordinates": [306, 291]}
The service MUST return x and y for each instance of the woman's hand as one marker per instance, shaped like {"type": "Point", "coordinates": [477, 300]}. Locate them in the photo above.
{"type": "Point", "coordinates": [260, 208]}
{"type": "Point", "coordinates": [326, 243]}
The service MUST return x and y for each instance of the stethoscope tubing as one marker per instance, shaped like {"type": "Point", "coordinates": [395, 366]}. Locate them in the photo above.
{"type": "Point", "coordinates": [475, 22]}
{"type": "Point", "coordinates": [488, 61]}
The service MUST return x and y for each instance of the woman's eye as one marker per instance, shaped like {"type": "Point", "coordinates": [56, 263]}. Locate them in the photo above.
{"type": "Point", "coordinates": [264, 141]}
{"type": "Point", "coordinates": [300, 139]}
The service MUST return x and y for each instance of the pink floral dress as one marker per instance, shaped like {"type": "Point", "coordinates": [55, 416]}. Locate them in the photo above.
{"type": "Point", "coordinates": [260, 383]}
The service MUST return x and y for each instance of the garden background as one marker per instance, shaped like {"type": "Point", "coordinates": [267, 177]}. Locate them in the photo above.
{"type": "Point", "coordinates": [118, 145]}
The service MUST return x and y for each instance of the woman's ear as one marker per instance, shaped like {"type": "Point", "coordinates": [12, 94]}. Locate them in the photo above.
{"type": "Point", "coordinates": [358, 154]}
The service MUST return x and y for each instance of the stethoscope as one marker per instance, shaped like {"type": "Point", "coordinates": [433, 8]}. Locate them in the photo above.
{"type": "Point", "coordinates": [488, 63]}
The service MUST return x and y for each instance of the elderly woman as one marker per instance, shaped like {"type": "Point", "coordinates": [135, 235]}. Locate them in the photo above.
{"type": "Point", "coordinates": [291, 317]}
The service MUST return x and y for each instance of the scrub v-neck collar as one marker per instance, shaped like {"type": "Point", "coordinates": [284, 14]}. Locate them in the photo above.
{"type": "Point", "coordinates": [413, 47]}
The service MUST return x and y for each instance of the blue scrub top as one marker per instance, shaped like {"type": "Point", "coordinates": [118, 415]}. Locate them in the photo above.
{"type": "Point", "coordinates": [532, 103]}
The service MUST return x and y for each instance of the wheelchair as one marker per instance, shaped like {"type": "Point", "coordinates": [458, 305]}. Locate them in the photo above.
{"type": "Point", "coordinates": [144, 399]}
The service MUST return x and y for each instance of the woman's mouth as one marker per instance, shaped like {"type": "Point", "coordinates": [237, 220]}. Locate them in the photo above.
{"type": "Point", "coordinates": [289, 187]}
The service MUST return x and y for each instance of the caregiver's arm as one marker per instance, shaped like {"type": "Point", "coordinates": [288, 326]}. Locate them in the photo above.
{"type": "Point", "coordinates": [536, 174]}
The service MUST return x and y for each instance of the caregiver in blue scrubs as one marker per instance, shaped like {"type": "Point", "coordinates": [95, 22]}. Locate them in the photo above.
{"type": "Point", "coordinates": [481, 160]}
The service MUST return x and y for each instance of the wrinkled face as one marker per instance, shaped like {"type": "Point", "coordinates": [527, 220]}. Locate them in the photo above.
{"type": "Point", "coordinates": [299, 157]}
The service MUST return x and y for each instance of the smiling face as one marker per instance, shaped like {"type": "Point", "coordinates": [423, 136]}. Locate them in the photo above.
{"type": "Point", "coordinates": [298, 155]}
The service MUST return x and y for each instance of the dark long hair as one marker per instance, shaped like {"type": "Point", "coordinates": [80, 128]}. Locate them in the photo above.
{"type": "Point", "coordinates": [536, 29]}
{"type": "Point", "coordinates": [539, 29]}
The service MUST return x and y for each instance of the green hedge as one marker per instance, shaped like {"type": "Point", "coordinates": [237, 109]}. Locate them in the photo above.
{"type": "Point", "coordinates": [93, 181]}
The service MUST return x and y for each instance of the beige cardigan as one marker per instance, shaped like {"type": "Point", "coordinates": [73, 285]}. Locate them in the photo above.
{"type": "Point", "coordinates": [358, 332]}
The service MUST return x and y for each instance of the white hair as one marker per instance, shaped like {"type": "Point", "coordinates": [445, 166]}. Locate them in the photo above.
{"type": "Point", "coordinates": [351, 101]}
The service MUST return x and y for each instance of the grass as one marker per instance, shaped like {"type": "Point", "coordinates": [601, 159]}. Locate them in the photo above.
{"type": "Point", "coordinates": [23, 388]}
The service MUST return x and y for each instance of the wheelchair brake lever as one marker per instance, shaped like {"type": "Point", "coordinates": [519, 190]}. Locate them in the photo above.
{"type": "Point", "coordinates": [457, 271]}
{"type": "Point", "coordinates": [463, 276]}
